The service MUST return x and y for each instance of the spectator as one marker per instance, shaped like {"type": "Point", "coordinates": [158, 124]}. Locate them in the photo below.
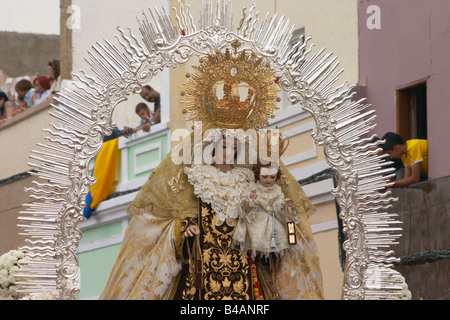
{"type": "Point", "coordinates": [21, 105]}
{"type": "Point", "coordinates": [397, 164]}
{"type": "Point", "coordinates": [147, 117]}
{"type": "Point", "coordinates": [24, 88]}
{"type": "Point", "coordinates": [6, 107]}
{"type": "Point", "coordinates": [53, 76]}
{"type": "Point", "coordinates": [41, 89]}
{"type": "Point", "coordinates": [414, 155]}
{"type": "Point", "coordinates": [151, 95]}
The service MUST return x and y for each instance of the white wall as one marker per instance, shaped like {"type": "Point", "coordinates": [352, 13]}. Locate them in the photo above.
{"type": "Point", "coordinates": [30, 16]}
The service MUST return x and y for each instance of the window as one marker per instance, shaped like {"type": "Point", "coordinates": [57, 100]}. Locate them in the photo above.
{"type": "Point", "coordinates": [412, 112]}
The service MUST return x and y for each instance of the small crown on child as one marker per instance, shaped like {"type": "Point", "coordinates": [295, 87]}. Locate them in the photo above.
{"type": "Point", "coordinates": [272, 145]}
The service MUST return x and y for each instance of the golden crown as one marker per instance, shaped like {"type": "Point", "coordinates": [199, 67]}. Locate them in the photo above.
{"type": "Point", "coordinates": [231, 91]}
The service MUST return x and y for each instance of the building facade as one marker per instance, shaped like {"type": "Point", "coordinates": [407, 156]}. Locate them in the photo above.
{"type": "Point", "coordinates": [405, 72]}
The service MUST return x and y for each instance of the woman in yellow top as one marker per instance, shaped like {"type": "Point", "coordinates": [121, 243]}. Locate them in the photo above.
{"type": "Point", "coordinates": [414, 155]}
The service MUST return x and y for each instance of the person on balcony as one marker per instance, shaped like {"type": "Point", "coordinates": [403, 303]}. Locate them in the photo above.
{"type": "Point", "coordinates": [414, 155]}
{"type": "Point", "coordinates": [53, 71]}
{"type": "Point", "coordinates": [24, 88]}
{"type": "Point", "coordinates": [147, 116]}
{"type": "Point", "coordinates": [6, 107]}
{"type": "Point", "coordinates": [149, 94]}
{"type": "Point", "coordinates": [53, 76]}
{"type": "Point", "coordinates": [41, 89]}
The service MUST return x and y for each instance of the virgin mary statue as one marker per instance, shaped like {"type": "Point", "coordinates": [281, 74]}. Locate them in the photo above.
{"type": "Point", "coordinates": [178, 244]}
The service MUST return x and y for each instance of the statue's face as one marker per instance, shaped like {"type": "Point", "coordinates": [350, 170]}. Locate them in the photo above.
{"type": "Point", "coordinates": [268, 176]}
{"type": "Point", "coordinates": [226, 150]}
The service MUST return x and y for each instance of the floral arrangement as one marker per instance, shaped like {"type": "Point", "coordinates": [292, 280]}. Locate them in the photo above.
{"type": "Point", "coordinates": [10, 263]}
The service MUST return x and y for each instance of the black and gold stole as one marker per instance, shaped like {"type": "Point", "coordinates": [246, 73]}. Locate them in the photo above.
{"type": "Point", "coordinates": [226, 272]}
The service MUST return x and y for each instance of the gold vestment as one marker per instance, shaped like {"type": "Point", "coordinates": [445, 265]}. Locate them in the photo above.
{"type": "Point", "coordinates": [150, 259]}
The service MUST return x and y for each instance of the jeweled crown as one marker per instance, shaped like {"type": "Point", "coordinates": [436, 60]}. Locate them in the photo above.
{"type": "Point", "coordinates": [231, 91]}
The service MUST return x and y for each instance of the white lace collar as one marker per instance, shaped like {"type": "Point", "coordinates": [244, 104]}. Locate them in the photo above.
{"type": "Point", "coordinates": [268, 193]}
{"type": "Point", "coordinates": [222, 190]}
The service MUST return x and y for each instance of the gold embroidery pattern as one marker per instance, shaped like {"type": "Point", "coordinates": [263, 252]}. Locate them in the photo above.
{"type": "Point", "coordinates": [176, 183]}
{"type": "Point", "coordinates": [226, 271]}
{"type": "Point", "coordinates": [189, 292]}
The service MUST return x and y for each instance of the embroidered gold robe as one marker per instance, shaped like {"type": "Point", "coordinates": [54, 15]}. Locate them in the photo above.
{"type": "Point", "coordinates": [226, 273]}
{"type": "Point", "coordinates": [150, 260]}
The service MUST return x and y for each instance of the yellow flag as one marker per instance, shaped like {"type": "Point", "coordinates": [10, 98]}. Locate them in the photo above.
{"type": "Point", "coordinates": [105, 172]}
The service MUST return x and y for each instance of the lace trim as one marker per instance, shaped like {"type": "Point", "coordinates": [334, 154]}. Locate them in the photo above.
{"type": "Point", "coordinates": [268, 193]}
{"type": "Point", "coordinates": [222, 190]}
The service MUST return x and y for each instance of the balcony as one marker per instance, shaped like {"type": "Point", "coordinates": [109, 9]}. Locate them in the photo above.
{"type": "Point", "coordinates": [19, 135]}
{"type": "Point", "coordinates": [424, 248]}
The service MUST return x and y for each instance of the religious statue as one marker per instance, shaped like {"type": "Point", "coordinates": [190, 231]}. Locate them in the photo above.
{"type": "Point", "coordinates": [179, 243]}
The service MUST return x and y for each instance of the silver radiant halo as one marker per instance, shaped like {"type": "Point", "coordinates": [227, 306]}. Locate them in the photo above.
{"type": "Point", "coordinates": [118, 70]}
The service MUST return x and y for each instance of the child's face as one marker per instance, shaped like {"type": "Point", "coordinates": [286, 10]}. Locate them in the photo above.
{"type": "Point", "coordinates": [143, 114]}
{"type": "Point", "coordinates": [21, 93]}
{"type": "Point", "coordinates": [268, 176]}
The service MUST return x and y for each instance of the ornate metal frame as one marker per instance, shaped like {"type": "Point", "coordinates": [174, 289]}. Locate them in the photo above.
{"type": "Point", "coordinates": [85, 113]}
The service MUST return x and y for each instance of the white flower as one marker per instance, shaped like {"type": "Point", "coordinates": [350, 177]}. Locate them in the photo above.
{"type": "Point", "coordinates": [13, 291]}
{"type": "Point", "coordinates": [10, 264]}
{"type": "Point", "coordinates": [4, 293]}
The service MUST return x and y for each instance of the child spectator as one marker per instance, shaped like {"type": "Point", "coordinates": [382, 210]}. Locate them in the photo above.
{"type": "Point", "coordinates": [21, 105]}
{"type": "Point", "coordinates": [24, 88]}
{"type": "Point", "coordinates": [147, 117]}
{"type": "Point", "coordinates": [41, 89]}
{"type": "Point", "coordinates": [414, 155]}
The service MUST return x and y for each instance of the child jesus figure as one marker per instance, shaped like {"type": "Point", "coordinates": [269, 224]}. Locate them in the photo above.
{"type": "Point", "coordinates": [262, 227]}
